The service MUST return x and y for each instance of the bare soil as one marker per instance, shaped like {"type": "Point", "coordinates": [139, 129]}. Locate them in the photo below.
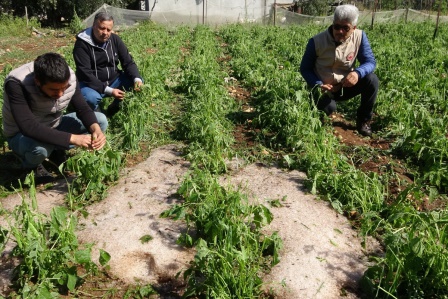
{"type": "Point", "coordinates": [322, 256]}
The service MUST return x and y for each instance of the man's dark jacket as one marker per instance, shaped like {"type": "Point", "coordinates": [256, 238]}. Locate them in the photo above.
{"type": "Point", "coordinates": [97, 66]}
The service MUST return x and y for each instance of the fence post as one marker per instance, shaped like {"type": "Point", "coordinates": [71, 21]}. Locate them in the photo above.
{"type": "Point", "coordinates": [265, 12]}
{"type": "Point", "coordinates": [275, 11]}
{"type": "Point", "coordinates": [437, 22]}
{"type": "Point", "coordinates": [203, 12]}
{"type": "Point", "coordinates": [373, 13]}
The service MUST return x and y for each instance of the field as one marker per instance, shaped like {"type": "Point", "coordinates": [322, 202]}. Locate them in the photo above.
{"type": "Point", "coordinates": [235, 91]}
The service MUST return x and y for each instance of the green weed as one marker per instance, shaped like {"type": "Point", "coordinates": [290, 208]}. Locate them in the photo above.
{"type": "Point", "coordinates": [47, 248]}
{"type": "Point", "coordinates": [94, 170]}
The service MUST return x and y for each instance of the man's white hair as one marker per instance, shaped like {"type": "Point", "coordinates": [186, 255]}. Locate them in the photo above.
{"type": "Point", "coordinates": [346, 12]}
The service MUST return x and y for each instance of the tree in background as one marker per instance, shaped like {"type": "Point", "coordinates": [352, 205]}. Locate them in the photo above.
{"type": "Point", "coordinates": [429, 5]}
{"type": "Point", "coordinates": [316, 7]}
{"type": "Point", "coordinates": [51, 12]}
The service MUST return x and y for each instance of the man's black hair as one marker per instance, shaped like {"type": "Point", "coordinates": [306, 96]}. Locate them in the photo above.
{"type": "Point", "coordinates": [51, 67]}
{"type": "Point", "coordinates": [102, 16]}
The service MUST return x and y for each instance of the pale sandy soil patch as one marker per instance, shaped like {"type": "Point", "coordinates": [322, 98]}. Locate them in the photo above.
{"type": "Point", "coordinates": [321, 256]}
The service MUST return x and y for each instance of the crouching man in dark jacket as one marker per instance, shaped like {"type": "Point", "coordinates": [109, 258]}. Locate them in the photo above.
{"type": "Point", "coordinates": [36, 96]}
{"type": "Point", "coordinates": [97, 53]}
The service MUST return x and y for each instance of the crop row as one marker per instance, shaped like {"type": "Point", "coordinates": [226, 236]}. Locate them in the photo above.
{"type": "Point", "coordinates": [185, 100]}
{"type": "Point", "coordinates": [224, 227]}
{"type": "Point", "coordinates": [415, 242]}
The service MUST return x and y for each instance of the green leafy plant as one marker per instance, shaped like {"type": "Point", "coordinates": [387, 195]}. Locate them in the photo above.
{"type": "Point", "coordinates": [48, 249]}
{"type": "Point", "coordinates": [93, 170]}
{"type": "Point", "coordinates": [140, 292]}
{"type": "Point", "coordinates": [76, 24]}
{"type": "Point", "coordinates": [231, 250]}
{"type": "Point", "coordinates": [145, 239]}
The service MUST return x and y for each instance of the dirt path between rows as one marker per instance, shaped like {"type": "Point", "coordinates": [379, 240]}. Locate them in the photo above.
{"type": "Point", "coordinates": [321, 256]}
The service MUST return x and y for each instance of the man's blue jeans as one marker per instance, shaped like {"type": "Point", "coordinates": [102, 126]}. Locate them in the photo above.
{"type": "Point", "coordinates": [33, 152]}
{"type": "Point", "coordinates": [94, 98]}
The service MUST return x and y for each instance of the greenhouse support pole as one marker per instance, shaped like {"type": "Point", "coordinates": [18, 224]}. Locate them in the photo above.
{"type": "Point", "coordinates": [275, 11]}
{"type": "Point", "coordinates": [437, 22]}
{"type": "Point", "coordinates": [373, 13]}
{"type": "Point", "coordinates": [265, 11]}
{"type": "Point", "coordinates": [203, 12]}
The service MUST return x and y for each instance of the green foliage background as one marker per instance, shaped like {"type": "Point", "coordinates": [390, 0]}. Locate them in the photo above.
{"type": "Point", "coordinates": [54, 10]}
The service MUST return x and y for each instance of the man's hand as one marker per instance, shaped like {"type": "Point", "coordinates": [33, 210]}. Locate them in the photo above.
{"type": "Point", "coordinates": [118, 94]}
{"type": "Point", "coordinates": [82, 140]}
{"type": "Point", "coordinates": [350, 80]}
{"type": "Point", "coordinates": [95, 141]}
{"type": "Point", "coordinates": [138, 85]}
{"type": "Point", "coordinates": [98, 139]}
{"type": "Point", "coordinates": [326, 87]}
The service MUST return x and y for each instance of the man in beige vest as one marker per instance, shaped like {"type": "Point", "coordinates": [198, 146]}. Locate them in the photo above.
{"type": "Point", "coordinates": [36, 96]}
{"type": "Point", "coordinates": [329, 65]}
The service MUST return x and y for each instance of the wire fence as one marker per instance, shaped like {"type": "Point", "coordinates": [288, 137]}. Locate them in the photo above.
{"type": "Point", "coordinates": [270, 15]}
{"type": "Point", "coordinates": [285, 17]}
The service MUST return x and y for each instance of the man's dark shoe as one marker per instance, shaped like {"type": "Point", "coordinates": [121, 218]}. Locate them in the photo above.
{"type": "Point", "coordinates": [58, 157]}
{"type": "Point", "coordinates": [42, 176]}
{"type": "Point", "coordinates": [99, 109]}
{"type": "Point", "coordinates": [113, 108]}
{"type": "Point", "coordinates": [364, 129]}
